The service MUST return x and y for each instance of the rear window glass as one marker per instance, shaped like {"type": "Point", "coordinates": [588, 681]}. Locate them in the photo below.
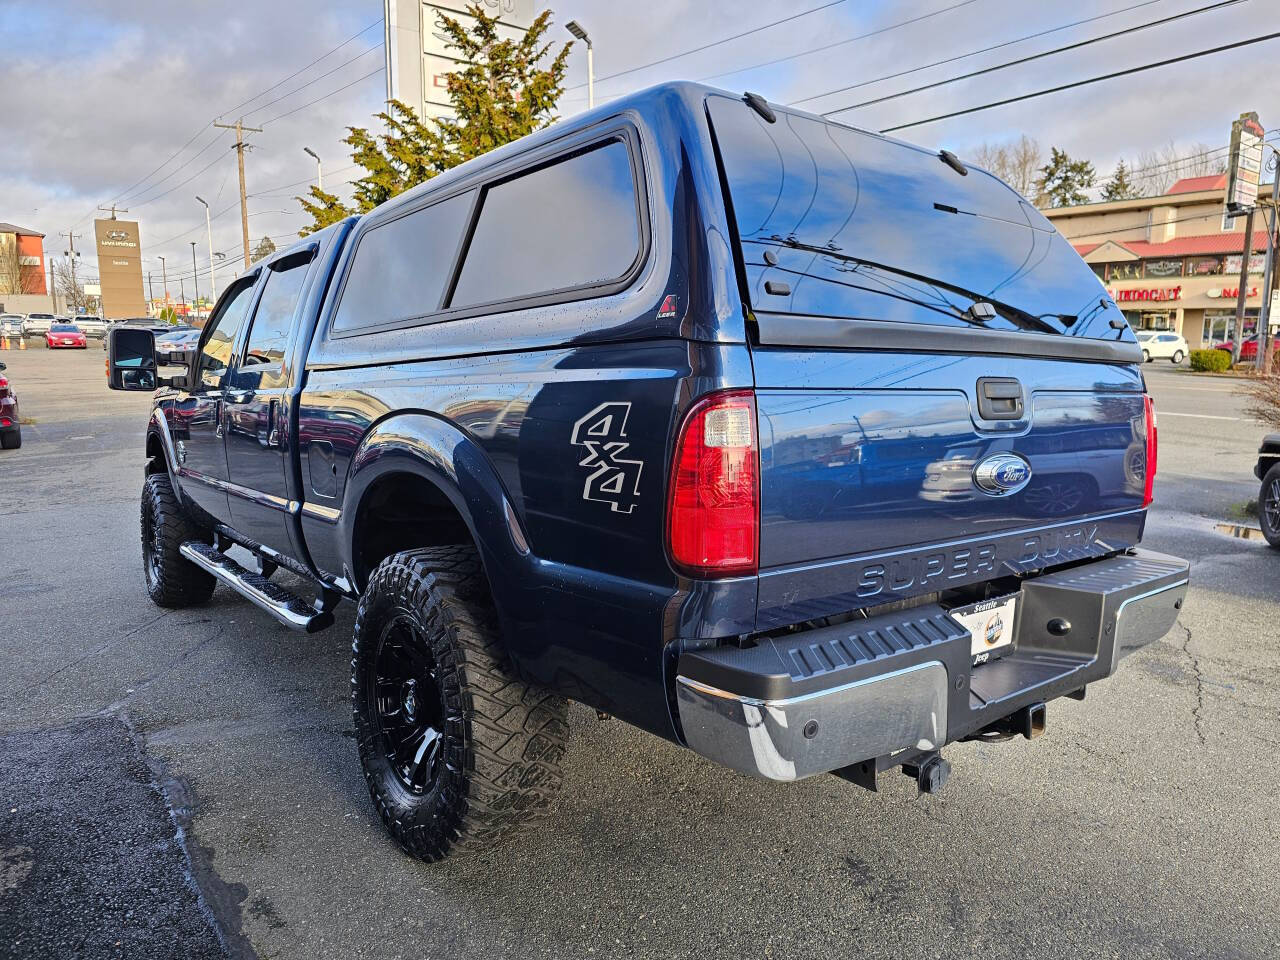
{"type": "Point", "coordinates": [401, 267]}
{"type": "Point", "coordinates": [865, 227]}
{"type": "Point", "coordinates": [571, 224]}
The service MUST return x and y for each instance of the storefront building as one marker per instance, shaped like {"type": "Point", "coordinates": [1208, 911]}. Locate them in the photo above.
{"type": "Point", "coordinates": [1168, 262]}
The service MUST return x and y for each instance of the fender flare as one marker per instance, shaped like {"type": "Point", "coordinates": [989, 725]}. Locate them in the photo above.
{"type": "Point", "coordinates": [158, 426]}
{"type": "Point", "coordinates": [437, 451]}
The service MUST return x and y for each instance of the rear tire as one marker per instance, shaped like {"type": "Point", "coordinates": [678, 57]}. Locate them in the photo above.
{"type": "Point", "coordinates": [1146, 357]}
{"type": "Point", "coordinates": [172, 580]}
{"type": "Point", "coordinates": [11, 439]}
{"type": "Point", "coordinates": [458, 753]}
{"type": "Point", "coordinates": [1177, 357]}
{"type": "Point", "coordinates": [1269, 506]}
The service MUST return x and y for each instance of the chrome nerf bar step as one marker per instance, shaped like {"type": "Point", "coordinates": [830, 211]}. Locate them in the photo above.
{"type": "Point", "coordinates": [286, 607]}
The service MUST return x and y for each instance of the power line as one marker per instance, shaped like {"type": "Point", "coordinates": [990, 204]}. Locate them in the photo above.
{"type": "Point", "coordinates": [312, 103]}
{"type": "Point", "coordinates": [713, 43]}
{"type": "Point", "coordinates": [1082, 83]}
{"type": "Point", "coordinates": [295, 73]}
{"type": "Point", "coordinates": [130, 197]}
{"type": "Point", "coordinates": [965, 56]}
{"type": "Point", "coordinates": [838, 43]}
{"type": "Point", "coordinates": [1037, 56]}
{"type": "Point", "coordinates": [345, 63]}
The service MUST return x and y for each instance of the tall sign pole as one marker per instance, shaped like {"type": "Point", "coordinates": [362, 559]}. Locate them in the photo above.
{"type": "Point", "coordinates": [1243, 174]}
{"type": "Point", "coordinates": [240, 129]}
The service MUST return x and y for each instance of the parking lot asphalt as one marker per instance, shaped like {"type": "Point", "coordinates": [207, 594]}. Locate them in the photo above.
{"type": "Point", "coordinates": [1145, 823]}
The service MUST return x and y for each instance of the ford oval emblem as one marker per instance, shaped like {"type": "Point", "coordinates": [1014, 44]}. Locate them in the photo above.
{"type": "Point", "coordinates": [1001, 474]}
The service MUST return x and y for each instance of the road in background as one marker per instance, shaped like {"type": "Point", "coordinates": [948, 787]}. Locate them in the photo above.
{"type": "Point", "coordinates": [1143, 824]}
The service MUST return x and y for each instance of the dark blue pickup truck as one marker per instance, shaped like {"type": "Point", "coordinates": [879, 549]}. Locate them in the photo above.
{"type": "Point", "coordinates": [809, 449]}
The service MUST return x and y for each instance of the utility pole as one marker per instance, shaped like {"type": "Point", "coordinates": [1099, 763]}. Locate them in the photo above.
{"type": "Point", "coordinates": [53, 292]}
{"type": "Point", "coordinates": [208, 230]}
{"type": "Point", "coordinates": [194, 279]}
{"type": "Point", "coordinates": [151, 295]}
{"type": "Point", "coordinates": [71, 255]}
{"type": "Point", "coordinates": [164, 278]}
{"type": "Point", "coordinates": [240, 129]}
{"type": "Point", "coordinates": [113, 211]}
{"type": "Point", "coordinates": [182, 290]}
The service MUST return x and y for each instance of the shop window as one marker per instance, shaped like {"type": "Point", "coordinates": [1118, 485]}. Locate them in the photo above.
{"type": "Point", "coordinates": [1124, 271]}
{"type": "Point", "coordinates": [1204, 266]}
{"type": "Point", "coordinates": [1159, 269]}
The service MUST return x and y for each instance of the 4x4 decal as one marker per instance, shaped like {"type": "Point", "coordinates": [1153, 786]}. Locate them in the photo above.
{"type": "Point", "coordinates": [614, 479]}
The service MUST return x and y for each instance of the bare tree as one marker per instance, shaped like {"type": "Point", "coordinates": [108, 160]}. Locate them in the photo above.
{"type": "Point", "coordinates": [1016, 162]}
{"type": "Point", "coordinates": [69, 288]}
{"type": "Point", "coordinates": [1155, 171]}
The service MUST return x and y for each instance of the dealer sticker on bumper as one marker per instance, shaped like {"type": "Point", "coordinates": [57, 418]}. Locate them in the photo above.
{"type": "Point", "coordinates": [990, 625]}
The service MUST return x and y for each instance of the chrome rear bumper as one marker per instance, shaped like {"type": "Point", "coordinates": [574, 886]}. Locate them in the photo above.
{"type": "Point", "coordinates": [817, 701]}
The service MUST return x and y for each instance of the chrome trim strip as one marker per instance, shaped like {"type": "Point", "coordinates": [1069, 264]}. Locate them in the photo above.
{"type": "Point", "coordinates": [319, 512]}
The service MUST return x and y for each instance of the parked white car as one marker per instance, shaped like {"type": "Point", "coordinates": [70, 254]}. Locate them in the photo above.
{"type": "Point", "coordinates": [37, 324]}
{"type": "Point", "coordinates": [1162, 345]}
{"type": "Point", "coordinates": [92, 326]}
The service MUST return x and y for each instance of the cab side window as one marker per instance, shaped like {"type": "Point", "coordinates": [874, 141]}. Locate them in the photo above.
{"type": "Point", "coordinates": [272, 322]}
{"type": "Point", "coordinates": [220, 338]}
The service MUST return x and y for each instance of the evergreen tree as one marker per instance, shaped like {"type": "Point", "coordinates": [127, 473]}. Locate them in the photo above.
{"type": "Point", "coordinates": [265, 248]}
{"type": "Point", "coordinates": [1063, 181]}
{"type": "Point", "coordinates": [1120, 187]}
{"type": "Point", "coordinates": [501, 94]}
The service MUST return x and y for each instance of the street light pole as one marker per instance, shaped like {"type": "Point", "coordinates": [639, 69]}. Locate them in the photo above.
{"type": "Point", "coordinates": [208, 229]}
{"type": "Point", "coordinates": [164, 279]}
{"type": "Point", "coordinates": [194, 270]}
{"type": "Point", "coordinates": [576, 29]}
{"type": "Point", "coordinates": [319, 174]}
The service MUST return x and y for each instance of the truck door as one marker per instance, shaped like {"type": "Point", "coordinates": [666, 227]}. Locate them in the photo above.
{"type": "Point", "coordinates": [197, 415]}
{"type": "Point", "coordinates": [256, 409]}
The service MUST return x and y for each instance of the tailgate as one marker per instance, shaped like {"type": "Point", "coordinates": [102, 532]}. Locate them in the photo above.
{"type": "Point", "coordinates": [946, 395]}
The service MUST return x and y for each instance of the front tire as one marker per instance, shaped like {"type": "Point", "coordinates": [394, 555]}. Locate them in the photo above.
{"type": "Point", "coordinates": [172, 580]}
{"type": "Point", "coordinates": [458, 754]}
{"type": "Point", "coordinates": [1146, 357]}
{"type": "Point", "coordinates": [1269, 506]}
{"type": "Point", "coordinates": [1177, 357]}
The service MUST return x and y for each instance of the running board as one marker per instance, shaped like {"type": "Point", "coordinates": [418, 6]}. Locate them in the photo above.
{"type": "Point", "coordinates": [289, 609]}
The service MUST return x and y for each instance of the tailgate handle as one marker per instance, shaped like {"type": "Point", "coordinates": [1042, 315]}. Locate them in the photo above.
{"type": "Point", "coordinates": [999, 398]}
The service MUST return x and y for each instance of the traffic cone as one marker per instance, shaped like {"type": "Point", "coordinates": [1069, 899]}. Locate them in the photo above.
{"type": "Point", "coordinates": [4, 343]}
{"type": "Point", "coordinates": [22, 343]}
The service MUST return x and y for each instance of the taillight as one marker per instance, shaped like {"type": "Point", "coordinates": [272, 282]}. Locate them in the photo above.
{"type": "Point", "coordinates": [1149, 417]}
{"type": "Point", "coordinates": [713, 518]}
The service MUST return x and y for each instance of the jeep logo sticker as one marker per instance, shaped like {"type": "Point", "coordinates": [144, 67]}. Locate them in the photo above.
{"type": "Point", "coordinates": [614, 479]}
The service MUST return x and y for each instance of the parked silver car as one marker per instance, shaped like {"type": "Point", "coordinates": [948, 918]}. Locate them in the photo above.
{"type": "Point", "coordinates": [11, 324]}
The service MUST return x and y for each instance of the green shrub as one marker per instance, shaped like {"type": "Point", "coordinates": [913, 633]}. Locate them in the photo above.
{"type": "Point", "coordinates": [1211, 361]}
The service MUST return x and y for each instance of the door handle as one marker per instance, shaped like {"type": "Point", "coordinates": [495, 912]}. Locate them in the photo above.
{"type": "Point", "coordinates": [218, 432]}
{"type": "Point", "coordinates": [999, 398]}
{"type": "Point", "coordinates": [273, 424]}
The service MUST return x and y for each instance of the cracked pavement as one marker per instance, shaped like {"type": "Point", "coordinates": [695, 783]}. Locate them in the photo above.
{"type": "Point", "coordinates": [1145, 823]}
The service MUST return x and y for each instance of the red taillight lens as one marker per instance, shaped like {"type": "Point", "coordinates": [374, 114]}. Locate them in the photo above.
{"type": "Point", "coordinates": [713, 520]}
{"type": "Point", "coordinates": [1149, 416]}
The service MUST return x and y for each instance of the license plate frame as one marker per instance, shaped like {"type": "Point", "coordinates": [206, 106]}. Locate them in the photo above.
{"type": "Point", "coordinates": [990, 624]}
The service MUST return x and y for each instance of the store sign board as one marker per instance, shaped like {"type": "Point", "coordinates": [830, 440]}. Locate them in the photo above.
{"type": "Point", "coordinates": [1257, 263]}
{"type": "Point", "coordinates": [1164, 268]}
{"type": "Point", "coordinates": [1228, 293]}
{"type": "Point", "coordinates": [1151, 293]}
{"type": "Point", "coordinates": [1245, 164]}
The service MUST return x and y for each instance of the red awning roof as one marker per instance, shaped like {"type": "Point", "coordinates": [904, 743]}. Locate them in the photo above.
{"type": "Point", "coordinates": [1204, 245]}
{"type": "Point", "coordinates": [1216, 181]}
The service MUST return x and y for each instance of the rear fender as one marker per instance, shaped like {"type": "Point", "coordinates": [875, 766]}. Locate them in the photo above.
{"type": "Point", "coordinates": [437, 451]}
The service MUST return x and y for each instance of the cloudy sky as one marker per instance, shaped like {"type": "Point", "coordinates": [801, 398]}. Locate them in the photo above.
{"type": "Point", "coordinates": [114, 102]}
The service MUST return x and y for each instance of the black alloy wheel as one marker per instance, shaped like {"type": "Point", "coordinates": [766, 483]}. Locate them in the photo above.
{"type": "Point", "coordinates": [1269, 506]}
{"type": "Point", "coordinates": [409, 705]}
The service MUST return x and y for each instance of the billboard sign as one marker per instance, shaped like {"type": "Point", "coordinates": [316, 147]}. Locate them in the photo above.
{"type": "Point", "coordinates": [1245, 167]}
{"type": "Point", "coordinates": [120, 268]}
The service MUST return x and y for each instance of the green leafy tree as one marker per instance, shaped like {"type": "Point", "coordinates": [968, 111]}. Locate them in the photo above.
{"type": "Point", "coordinates": [1063, 181]}
{"type": "Point", "coordinates": [169, 315]}
{"type": "Point", "coordinates": [507, 89]}
{"type": "Point", "coordinates": [1120, 187]}
{"type": "Point", "coordinates": [265, 248]}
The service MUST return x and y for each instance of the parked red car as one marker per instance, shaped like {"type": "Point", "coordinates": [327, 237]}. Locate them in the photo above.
{"type": "Point", "coordinates": [1249, 348]}
{"type": "Point", "coordinates": [65, 335]}
{"type": "Point", "coordinates": [10, 425]}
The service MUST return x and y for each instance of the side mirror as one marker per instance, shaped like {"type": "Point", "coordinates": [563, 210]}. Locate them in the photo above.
{"type": "Point", "coordinates": [131, 359]}
{"type": "Point", "coordinates": [3, 366]}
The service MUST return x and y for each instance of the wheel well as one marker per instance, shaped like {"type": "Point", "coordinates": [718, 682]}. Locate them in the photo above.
{"type": "Point", "coordinates": [155, 455]}
{"type": "Point", "coordinates": [401, 511]}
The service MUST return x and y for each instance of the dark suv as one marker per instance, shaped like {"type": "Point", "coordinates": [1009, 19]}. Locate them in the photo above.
{"type": "Point", "coordinates": [806, 448]}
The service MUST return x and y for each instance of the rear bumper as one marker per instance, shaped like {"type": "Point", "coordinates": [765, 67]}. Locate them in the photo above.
{"type": "Point", "coordinates": [824, 699]}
